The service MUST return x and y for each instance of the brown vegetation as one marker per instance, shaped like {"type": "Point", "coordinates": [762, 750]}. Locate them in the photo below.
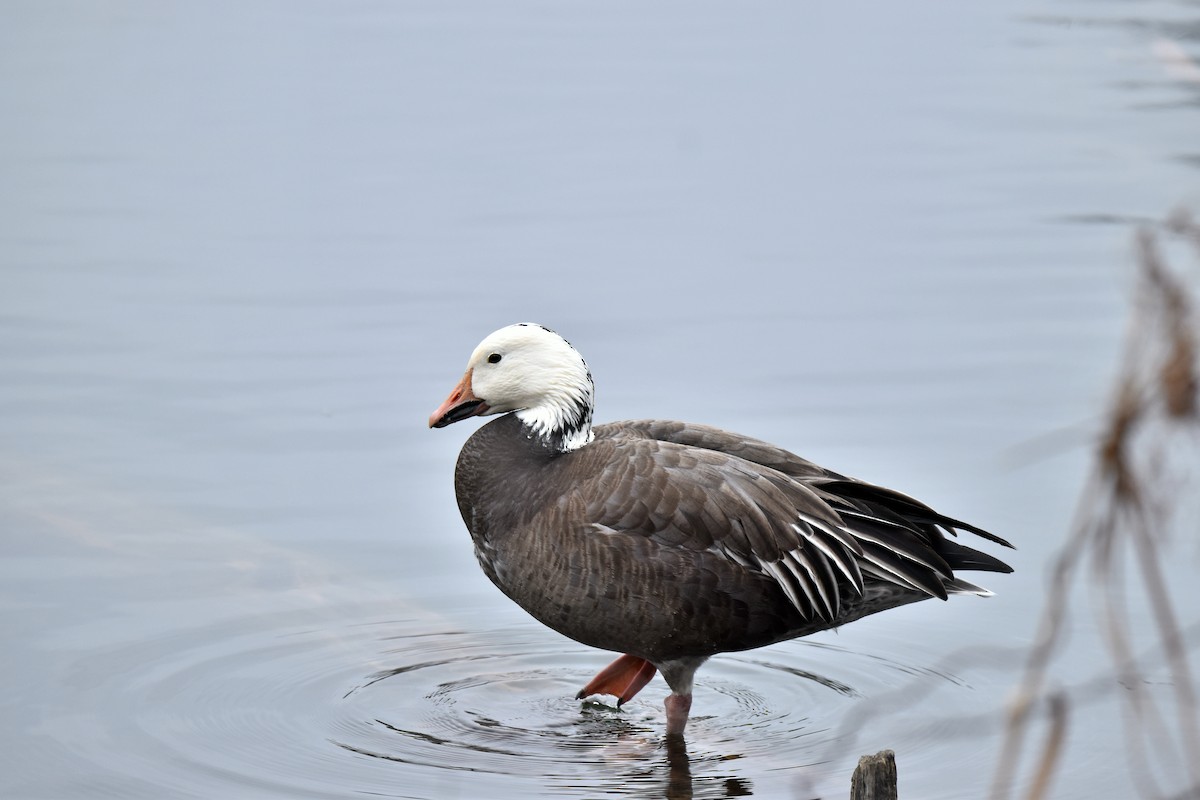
{"type": "Point", "coordinates": [1142, 468]}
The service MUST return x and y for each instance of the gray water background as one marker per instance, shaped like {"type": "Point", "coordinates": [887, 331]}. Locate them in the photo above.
{"type": "Point", "coordinates": [245, 249]}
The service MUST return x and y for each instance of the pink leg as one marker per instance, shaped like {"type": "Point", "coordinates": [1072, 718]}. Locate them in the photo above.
{"type": "Point", "coordinates": [678, 707]}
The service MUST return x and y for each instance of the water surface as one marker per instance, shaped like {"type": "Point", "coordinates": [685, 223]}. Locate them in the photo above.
{"type": "Point", "coordinates": [245, 251]}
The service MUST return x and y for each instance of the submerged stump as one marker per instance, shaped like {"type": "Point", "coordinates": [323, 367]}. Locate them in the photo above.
{"type": "Point", "coordinates": [875, 777]}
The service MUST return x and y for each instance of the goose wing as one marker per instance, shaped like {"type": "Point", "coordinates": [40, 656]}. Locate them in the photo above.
{"type": "Point", "coordinates": [755, 515]}
{"type": "Point", "coordinates": [844, 494]}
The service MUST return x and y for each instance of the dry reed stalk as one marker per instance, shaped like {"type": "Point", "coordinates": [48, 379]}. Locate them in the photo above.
{"type": "Point", "coordinates": [1122, 512]}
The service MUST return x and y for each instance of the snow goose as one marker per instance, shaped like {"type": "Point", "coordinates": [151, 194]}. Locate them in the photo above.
{"type": "Point", "coordinates": [671, 542]}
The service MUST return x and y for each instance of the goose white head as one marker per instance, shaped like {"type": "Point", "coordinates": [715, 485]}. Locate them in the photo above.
{"type": "Point", "coordinates": [531, 370]}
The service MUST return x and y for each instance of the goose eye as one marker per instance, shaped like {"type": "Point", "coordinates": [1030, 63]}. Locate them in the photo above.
{"type": "Point", "coordinates": [494, 358]}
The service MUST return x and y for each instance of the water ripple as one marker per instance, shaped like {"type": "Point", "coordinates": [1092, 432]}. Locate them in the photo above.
{"type": "Point", "coordinates": [395, 709]}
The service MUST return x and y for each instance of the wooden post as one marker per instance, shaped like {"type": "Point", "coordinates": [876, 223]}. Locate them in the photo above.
{"type": "Point", "coordinates": [875, 777]}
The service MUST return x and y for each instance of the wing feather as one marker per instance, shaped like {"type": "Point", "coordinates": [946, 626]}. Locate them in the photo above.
{"type": "Point", "coordinates": [817, 534]}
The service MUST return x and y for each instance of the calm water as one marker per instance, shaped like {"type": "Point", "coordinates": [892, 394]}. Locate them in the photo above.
{"type": "Point", "coordinates": [245, 250]}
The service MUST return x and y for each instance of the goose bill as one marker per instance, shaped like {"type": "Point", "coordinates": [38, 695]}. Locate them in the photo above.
{"type": "Point", "coordinates": [461, 404]}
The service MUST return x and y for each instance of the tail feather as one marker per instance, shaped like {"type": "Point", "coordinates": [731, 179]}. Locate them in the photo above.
{"type": "Point", "coordinates": [959, 556]}
{"type": "Point", "coordinates": [959, 586]}
{"type": "Point", "coordinates": [905, 506]}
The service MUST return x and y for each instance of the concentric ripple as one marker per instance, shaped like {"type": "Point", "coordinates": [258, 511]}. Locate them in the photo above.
{"type": "Point", "coordinates": [414, 708]}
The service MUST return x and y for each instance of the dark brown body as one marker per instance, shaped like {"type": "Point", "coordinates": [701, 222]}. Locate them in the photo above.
{"type": "Point", "coordinates": [648, 540]}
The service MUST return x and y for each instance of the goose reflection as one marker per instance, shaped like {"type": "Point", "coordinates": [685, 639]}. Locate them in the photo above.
{"type": "Point", "coordinates": [655, 766]}
{"type": "Point", "coordinates": [679, 776]}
